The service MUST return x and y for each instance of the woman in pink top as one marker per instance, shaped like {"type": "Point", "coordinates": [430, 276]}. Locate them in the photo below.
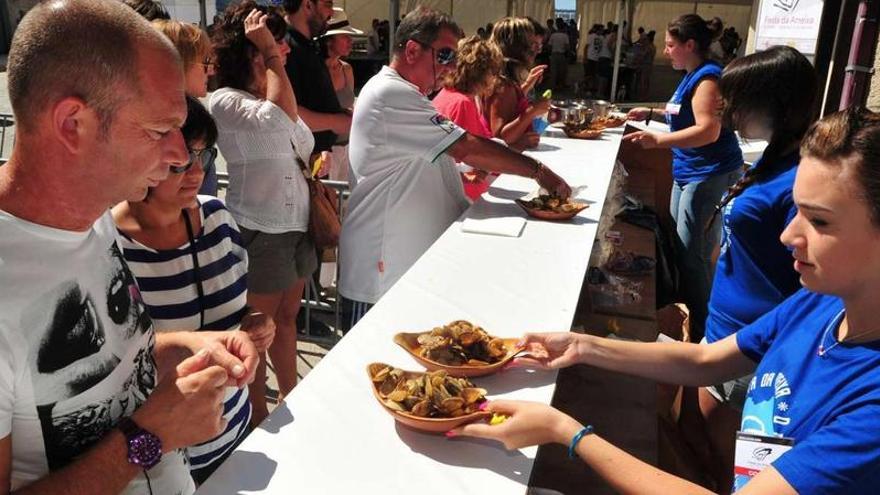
{"type": "Point", "coordinates": [474, 77]}
{"type": "Point", "coordinates": [508, 111]}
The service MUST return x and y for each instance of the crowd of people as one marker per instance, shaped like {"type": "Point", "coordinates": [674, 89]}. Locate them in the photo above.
{"type": "Point", "coordinates": [139, 310]}
{"type": "Point", "coordinates": [637, 57]}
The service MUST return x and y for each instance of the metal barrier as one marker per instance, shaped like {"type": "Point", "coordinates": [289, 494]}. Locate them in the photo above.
{"type": "Point", "coordinates": [312, 296]}
{"type": "Point", "coordinates": [7, 123]}
{"type": "Point", "coordinates": [312, 299]}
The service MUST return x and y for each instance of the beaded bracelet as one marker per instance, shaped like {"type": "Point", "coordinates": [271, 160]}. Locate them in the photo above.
{"type": "Point", "coordinates": [586, 430]}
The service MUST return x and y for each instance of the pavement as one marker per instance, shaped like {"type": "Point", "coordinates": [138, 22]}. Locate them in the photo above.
{"type": "Point", "coordinates": [5, 107]}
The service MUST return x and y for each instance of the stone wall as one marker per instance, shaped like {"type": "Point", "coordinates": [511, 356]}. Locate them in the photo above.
{"type": "Point", "coordinates": [874, 91]}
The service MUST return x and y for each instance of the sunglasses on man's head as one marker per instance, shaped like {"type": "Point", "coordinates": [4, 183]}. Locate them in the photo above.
{"type": "Point", "coordinates": [203, 156]}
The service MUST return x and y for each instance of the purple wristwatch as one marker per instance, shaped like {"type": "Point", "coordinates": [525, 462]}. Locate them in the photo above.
{"type": "Point", "coordinates": [144, 448]}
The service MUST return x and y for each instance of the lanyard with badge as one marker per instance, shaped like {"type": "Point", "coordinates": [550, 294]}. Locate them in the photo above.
{"type": "Point", "coordinates": [755, 452]}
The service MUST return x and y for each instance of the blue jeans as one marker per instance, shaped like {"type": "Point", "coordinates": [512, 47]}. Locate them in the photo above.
{"type": "Point", "coordinates": [692, 206]}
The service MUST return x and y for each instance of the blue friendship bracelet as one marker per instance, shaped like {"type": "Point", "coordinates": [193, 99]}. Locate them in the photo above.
{"type": "Point", "coordinates": [586, 430]}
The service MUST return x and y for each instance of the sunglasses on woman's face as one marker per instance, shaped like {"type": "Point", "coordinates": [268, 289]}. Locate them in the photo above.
{"type": "Point", "coordinates": [203, 156]}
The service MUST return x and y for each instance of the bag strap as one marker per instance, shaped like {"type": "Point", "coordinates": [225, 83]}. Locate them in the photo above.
{"type": "Point", "coordinates": [302, 165]}
{"type": "Point", "coordinates": [197, 277]}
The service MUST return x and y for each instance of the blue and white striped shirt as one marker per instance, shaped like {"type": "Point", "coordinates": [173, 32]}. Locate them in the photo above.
{"type": "Point", "coordinates": [166, 279]}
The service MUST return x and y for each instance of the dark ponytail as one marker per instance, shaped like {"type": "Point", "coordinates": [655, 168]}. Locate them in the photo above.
{"type": "Point", "coordinates": [778, 84]}
{"type": "Point", "coordinates": [693, 27]}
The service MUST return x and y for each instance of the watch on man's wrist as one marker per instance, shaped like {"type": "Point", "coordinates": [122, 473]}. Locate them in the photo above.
{"type": "Point", "coordinates": [144, 448]}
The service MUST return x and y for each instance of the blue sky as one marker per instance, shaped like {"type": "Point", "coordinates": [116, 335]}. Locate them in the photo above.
{"type": "Point", "coordinates": [565, 4]}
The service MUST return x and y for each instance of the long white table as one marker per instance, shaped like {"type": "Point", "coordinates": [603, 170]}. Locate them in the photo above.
{"type": "Point", "coordinates": [330, 436]}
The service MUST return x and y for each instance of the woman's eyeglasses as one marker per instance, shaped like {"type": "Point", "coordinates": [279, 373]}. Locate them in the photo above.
{"type": "Point", "coordinates": [209, 66]}
{"type": "Point", "coordinates": [204, 156]}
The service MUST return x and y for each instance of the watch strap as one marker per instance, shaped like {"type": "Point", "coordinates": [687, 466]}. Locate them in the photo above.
{"type": "Point", "coordinates": [144, 448]}
{"type": "Point", "coordinates": [128, 427]}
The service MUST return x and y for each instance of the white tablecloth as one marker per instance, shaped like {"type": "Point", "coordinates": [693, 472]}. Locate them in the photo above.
{"type": "Point", "coordinates": [331, 436]}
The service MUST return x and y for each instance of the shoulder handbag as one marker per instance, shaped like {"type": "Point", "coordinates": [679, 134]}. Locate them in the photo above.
{"type": "Point", "coordinates": [324, 224]}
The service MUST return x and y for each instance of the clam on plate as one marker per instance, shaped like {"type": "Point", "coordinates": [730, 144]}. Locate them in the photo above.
{"type": "Point", "coordinates": [433, 425]}
{"type": "Point", "coordinates": [410, 342]}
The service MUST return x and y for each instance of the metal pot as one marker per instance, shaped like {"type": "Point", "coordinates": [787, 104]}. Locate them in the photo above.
{"type": "Point", "coordinates": [586, 115]}
{"type": "Point", "coordinates": [561, 111]}
{"type": "Point", "coordinates": [572, 114]}
{"type": "Point", "coordinates": [601, 108]}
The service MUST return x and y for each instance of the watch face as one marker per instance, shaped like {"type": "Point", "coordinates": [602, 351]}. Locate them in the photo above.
{"type": "Point", "coordinates": [144, 449]}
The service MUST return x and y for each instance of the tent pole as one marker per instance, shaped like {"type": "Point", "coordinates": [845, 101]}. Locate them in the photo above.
{"type": "Point", "coordinates": [203, 15]}
{"type": "Point", "coordinates": [620, 7]}
{"type": "Point", "coordinates": [393, 15]}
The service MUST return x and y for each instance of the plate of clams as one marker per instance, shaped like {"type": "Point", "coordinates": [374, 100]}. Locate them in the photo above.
{"type": "Point", "coordinates": [460, 348]}
{"type": "Point", "coordinates": [432, 401]}
{"type": "Point", "coordinates": [550, 207]}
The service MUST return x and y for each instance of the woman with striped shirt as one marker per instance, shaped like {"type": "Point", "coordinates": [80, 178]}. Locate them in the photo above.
{"type": "Point", "coordinates": [186, 254]}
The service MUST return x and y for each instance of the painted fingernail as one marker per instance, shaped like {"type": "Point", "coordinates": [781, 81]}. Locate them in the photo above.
{"type": "Point", "coordinates": [202, 353]}
{"type": "Point", "coordinates": [450, 434]}
{"type": "Point", "coordinates": [237, 370]}
{"type": "Point", "coordinates": [484, 406]}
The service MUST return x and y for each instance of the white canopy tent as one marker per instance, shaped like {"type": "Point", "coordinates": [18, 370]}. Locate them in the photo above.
{"type": "Point", "coordinates": [470, 14]}
{"type": "Point", "coordinates": [655, 14]}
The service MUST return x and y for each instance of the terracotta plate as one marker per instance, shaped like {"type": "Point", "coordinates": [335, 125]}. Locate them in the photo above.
{"type": "Point", "coordinates": [410, 342]}
{"type": "Point", "coordinates": [434, 425]}
{"type": "Point", "coordinates": [584, 134]}
{"type": "Point", "coordinates": [548, 214]}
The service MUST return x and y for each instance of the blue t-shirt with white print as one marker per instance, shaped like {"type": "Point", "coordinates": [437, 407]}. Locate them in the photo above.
{"type": "Point", "coordinates": [829, 405]}
{"type": "Point", "coordinates": [755, 271]}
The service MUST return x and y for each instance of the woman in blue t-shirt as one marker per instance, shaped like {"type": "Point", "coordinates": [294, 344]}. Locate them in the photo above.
{"type": "Point", "coordinates": [810, 419]}
{"type": "Point", "coordinates": [706, 158]}
{"type": "Point", "coordinates": [769, 95]}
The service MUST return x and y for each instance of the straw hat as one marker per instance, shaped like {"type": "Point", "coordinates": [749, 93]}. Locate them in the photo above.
{"type": "Point", "coordinates": [338, 24]}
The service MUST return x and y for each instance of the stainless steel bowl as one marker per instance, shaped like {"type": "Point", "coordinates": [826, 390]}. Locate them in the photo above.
{"type": "Point", "coordinates": [601, 108]}
{"type": "Point", "coordinates": [585, 115]}
{"type": "Point", "coordinates": [561, 111]}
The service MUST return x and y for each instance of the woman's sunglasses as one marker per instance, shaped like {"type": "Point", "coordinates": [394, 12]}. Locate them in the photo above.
{"type": "Point", "coordinates": [204, 156]}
